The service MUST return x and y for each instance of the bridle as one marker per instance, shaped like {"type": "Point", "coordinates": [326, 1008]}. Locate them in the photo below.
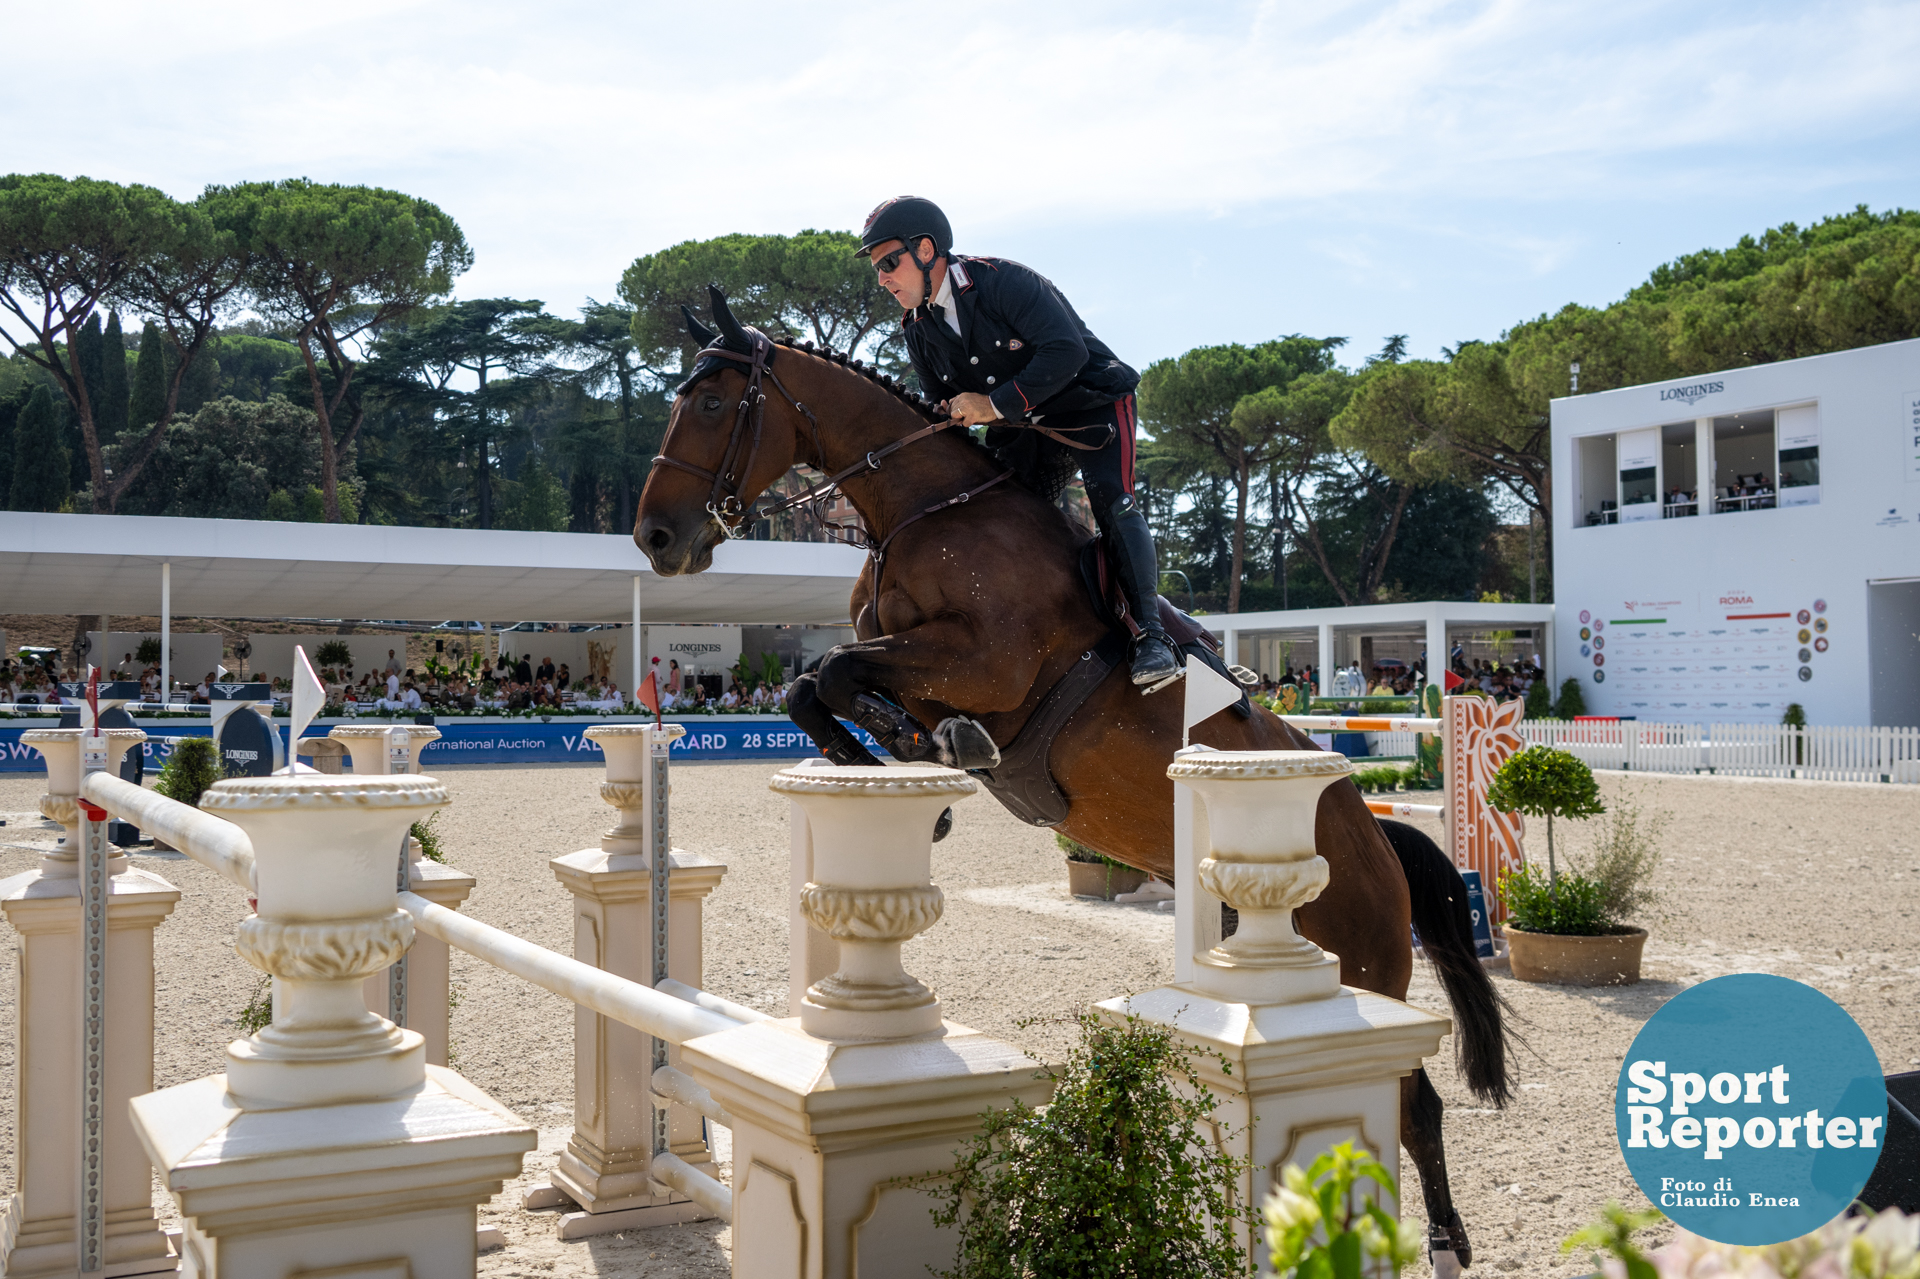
{"type": "Point", "coordinates": [749, 419]}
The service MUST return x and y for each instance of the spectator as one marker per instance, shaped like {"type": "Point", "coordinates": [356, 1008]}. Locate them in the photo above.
{"type": "Point", "coordinates": [545, 672]}
{"type": "Point", "coordinates": [393, 663]}
{"type": "Point", "coordinates": [674, 680]}
{"type": "Point", "coordinates": [393, 688]}
{"type": "Point", "coordinates": [523, 671]}
{"type": "Point", "coordinates": [565, 678]}
{"type": "Point", "coordinates": [202, 692]}
{"type": "Point", "coordinates": [410, 699]}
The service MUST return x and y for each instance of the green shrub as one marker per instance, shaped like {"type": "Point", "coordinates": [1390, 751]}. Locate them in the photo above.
{"type": "Point", "coordinates": [258, 1014]}
{"type": "Point", "coordinates": [148, 654]}
{"type": "Point", "coordinates": [1625, 856]}
{"type": "Point", "coordinates": [1317, 1226]}
{"type": "Point", "coordinates": [193, 765]}
{"type": "Point", "coordinates": [1384, 777]}
{"type": "Point", "coordinates": [429, 838]}
{"type": "Point", "coordinates": [337, 653]}
{"type": "Point", "coordinates": [1795, 716]}
{"type": "Point", "coordinates": [1543, 782]}
{"type": "Point", "coordinates": [1108, 1179]}
{"type": "Point", "coordinates": [1539, 701]}
{"type": "Point", "coordinates": [1572, 905]}
{"type": "Point", "coordinates": [1572, 703]}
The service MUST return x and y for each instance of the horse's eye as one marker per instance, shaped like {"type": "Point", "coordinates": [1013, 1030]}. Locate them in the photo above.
{"type": "Point", "coordinates": [711, 403]}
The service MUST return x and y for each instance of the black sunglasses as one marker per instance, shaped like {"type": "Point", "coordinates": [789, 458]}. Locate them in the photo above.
{"type": "Point", "coordinates": [886, 265]}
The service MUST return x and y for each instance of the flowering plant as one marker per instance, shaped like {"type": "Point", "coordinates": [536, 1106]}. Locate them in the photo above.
{"type": "Point", "coordinates": [1885, 1246]}
{"type": "Point", "coordinates": [1315, 1230]}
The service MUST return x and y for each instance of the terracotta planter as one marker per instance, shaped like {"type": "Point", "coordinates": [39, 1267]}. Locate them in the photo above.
{"type": "Point", "coordinates": [1094, 879]}
{"type": "Point", "coordinates": [1610, 959]}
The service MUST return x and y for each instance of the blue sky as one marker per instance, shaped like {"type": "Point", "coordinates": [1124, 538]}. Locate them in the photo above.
{"type": "Point", "coordinates": [1436, 169]}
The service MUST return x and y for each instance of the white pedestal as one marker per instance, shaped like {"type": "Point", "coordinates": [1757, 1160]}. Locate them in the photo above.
{"type": "Point", "coordinates": [385, 1188]}
{"type": "Point", "coordinates": [822, 1127]}
{"type": "Point", "coordinates": [429, 966]}
{"type": "Point", "coordinates": [605, 1168]}
{"type": "Point", "coordinates": [1306, 1076]}
{"type": "Point", "coordinates": [39, 1233]}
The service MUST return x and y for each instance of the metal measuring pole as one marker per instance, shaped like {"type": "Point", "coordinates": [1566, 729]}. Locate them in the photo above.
{"type": "Point", "coordinates": [659, 850]}
{"type": "Point", "coordinates": [93, 1000]}
{"type": "Point", "coordinates": [399, 757]}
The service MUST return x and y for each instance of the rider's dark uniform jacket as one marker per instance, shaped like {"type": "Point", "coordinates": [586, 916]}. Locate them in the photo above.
{"type": "Point", "coordinates": [1020, 344]}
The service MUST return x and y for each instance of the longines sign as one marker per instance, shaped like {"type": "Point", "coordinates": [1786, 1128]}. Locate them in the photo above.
{"type": "Point", "coordinates": [1688, 394]}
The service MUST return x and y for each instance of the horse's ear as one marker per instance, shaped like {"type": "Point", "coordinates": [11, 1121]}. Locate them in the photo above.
{"type": "Point", "coordinates": [700, 332]}
{"type": "Point", "coordinates": [730, 330]}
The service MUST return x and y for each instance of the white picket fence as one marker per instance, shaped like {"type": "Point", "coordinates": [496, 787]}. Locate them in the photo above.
{"type": "Point", "coordinates": [1835, 753]}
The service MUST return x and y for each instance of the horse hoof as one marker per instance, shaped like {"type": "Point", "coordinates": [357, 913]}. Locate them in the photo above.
{"type": "Point", "coordinates": [964, 744]}
{"type": "Point", "coordinates": [943, 825]}
{"type": "Point", "coordinates": [1446, 1265]}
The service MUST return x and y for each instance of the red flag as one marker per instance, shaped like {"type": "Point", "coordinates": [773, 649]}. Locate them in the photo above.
{"type": "Point", "coordinates": [1453, 681]}
{"type": "Point", "coordinates": [93, 698]}
{"type": "Point", "coordinates": [649, 695]}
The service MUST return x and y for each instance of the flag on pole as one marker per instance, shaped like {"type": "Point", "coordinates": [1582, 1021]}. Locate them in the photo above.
{"type": "Point", "coordinates": [1208, 693]}
{"type": "Point", "coordinates": [649, 695]}
{"type": "Point", "coordinates": [1453, 681]}
{"type": "Point", "coordinates": [309, 696]}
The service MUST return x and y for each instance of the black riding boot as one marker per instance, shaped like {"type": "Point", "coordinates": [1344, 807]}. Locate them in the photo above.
{"type": "Point", "coordinates": [1153, 656]}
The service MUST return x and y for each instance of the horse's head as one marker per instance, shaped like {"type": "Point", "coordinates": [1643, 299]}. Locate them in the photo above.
{"type": "Point", "coordinates": [727, 440]}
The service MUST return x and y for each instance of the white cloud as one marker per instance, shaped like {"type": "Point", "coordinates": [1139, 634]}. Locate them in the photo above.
{"type": "Point", "coordinates": [568, 138]}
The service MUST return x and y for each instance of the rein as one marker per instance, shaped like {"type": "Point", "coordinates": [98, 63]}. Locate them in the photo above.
{"type": "Point", "coordinates": [723, 497]}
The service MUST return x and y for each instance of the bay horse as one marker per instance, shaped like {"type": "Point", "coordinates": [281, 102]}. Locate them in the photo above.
{"type": "Point", "coordinates": [971, 607]}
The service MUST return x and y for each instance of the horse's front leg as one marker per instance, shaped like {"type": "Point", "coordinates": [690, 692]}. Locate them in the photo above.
{"type": "Point", "coordinates": [892, 685]}
{"type": "Point", "coordinates": [807, 709]}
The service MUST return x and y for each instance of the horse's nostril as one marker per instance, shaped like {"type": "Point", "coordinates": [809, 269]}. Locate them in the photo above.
{"type": "Point", "coordinates": [659, 539]}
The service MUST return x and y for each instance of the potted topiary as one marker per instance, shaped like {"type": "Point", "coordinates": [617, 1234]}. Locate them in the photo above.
{"type": "Point", "coordinates": [1560, 928]}
{"type": "Point", "coordinates": [1091, 875]}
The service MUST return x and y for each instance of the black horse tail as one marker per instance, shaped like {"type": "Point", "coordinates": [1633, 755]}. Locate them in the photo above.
{"type": "Point", "coordinates": [1445, 924]}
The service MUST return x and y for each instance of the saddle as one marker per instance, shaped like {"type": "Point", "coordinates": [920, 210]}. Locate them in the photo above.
{"type": "Point", "coordinates": [1023, 780]}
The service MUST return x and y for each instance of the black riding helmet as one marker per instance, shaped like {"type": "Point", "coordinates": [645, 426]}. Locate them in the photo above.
{"type": "Point", "coordinates": [909, 219]}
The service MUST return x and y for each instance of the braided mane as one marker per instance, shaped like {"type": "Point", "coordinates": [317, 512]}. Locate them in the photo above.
{"type": "Point", "coordinates": [918, 403]}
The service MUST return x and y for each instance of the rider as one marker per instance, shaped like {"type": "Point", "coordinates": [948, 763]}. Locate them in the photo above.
{"type": "Point", "coordinates": [1000, 345]}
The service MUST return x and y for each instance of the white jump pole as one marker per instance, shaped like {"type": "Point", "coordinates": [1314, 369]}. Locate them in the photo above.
{"type": "Point", "coordinates": [166, 634]}
{"type": "Point", "coordinates": [639, 663]}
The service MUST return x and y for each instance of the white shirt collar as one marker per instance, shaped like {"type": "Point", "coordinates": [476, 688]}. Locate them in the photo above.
{"type": "Point", "coordinates": [943, 297]}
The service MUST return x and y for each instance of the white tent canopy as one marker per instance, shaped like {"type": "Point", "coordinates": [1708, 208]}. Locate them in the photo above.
{"type": "Point", "coordinates": [118, 564]}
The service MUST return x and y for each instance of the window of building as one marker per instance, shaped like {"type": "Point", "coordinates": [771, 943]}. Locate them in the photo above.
{"type": "Point", "coordinates": [1798, 429]}
{"type": "Point", "coordinates": [1598, 478]}
{"type": "Point", "coordinates": [1679, 470]}
{"type": "Point", "coordinates": [1744, 464]}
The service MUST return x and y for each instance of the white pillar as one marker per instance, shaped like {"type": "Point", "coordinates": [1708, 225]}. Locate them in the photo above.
{"type": "Point", "coordinates": [329, 1144]}
{"type": "Point", "coordinates": [166, 633]}
{"type": "Point", "coordinates": [39, 1223]}
{"type": "Point", "coordinates": [828, 1132]}
{"type": "Point", "coordinates": [1437, 648]}
{"type": "Point", "coordinates": [1233, 646]}
{"type": "Point", "coordinates": [639, 663]}
{"type": "Point", "coordinates": [1703, 462]}
{"type": "Point", "coordinates": [605, 1169]}
{"type": "Point", "coordinates": [1312, 1063]}
{"type": "Point", "coordinates": [1324, 660]}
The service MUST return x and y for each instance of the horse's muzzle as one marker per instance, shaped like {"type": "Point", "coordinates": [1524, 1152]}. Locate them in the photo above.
{"type": "Point", "coordinates": [672, 552]}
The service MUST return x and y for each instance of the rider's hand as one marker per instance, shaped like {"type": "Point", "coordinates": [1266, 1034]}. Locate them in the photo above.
{"type": "Point", "coordinates": [970, 408]}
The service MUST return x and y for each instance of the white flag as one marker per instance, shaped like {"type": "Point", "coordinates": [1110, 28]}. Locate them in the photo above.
{"type": "Point", "coordinates": [309, 696]}
{"type": "Point", "coordinates": [1208, 693]}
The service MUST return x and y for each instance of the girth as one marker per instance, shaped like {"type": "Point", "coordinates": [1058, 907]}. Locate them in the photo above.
{"type": "Point", "coordinates": [1023, 780]}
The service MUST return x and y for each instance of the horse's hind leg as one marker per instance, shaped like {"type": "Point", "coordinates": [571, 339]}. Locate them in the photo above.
{"type": "Point", "coordinates": [806, 709]}
{"type": "Point", "coordinates": [1420, 1116]}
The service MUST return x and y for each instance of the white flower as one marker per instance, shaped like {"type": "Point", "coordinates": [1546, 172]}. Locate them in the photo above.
{"type": "Point", "coordinates": [1287, 1208]}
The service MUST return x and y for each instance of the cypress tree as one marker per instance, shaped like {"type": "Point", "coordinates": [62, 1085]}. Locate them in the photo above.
{"type": "Point", "coordinates": [110, 408]}
{"type": "Point", "coordinates": [39, 458]}
{"type": "Point", "coordinates": [149, 398]}
{"type": "Point", "coordinates": [88, 345]}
